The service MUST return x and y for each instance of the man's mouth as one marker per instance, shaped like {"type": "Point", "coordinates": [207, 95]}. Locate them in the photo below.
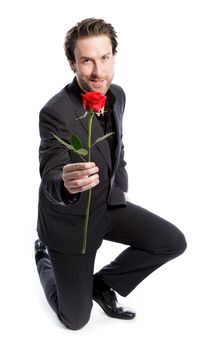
{"type": "Point", "coordinates": [97, 81]}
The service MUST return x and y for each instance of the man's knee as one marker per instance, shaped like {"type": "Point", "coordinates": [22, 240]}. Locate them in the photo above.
{"type": "Point", "coordinates": [75, 322]}
{"type": "Point", "coordinates": [182, 244]}
{"type": "Point", "coordinates": [178, 242]}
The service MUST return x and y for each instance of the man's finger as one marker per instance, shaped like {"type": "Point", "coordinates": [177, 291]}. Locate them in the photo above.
{"type": "Point", "coordinates": [79, 174]}
{"type": "Point", "coordinates": [78, 166]}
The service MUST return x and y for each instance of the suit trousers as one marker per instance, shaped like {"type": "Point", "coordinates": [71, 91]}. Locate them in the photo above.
{"type": "Point", "coordinates": [67, 279]}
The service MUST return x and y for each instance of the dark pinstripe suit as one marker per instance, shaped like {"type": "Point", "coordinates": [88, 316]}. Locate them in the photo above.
{"type": "Point", "coordinates": [60, 224]}
{"type": "Point", "coordinates": [67, 278]}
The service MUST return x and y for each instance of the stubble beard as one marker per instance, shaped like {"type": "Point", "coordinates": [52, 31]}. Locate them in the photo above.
{"type": "Point", "coordinates": [87, 85]}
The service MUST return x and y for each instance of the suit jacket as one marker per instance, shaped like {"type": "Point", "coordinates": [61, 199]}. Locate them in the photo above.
{"type": "Point", "coordinates": [61, 216]}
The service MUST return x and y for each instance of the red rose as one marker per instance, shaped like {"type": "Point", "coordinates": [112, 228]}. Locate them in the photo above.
{"type": "Point", "coordinates": [94, 101]}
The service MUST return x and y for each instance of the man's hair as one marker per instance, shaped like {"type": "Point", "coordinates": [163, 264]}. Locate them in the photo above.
{"type": "Point", "coordinates": [88, 28]}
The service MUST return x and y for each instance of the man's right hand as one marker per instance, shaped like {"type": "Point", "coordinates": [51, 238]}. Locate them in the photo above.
{"type": "Point", "coordinates": [80, 177]}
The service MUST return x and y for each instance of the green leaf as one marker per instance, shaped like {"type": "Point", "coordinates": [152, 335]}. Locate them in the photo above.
{"type": "Point", "coordinates": [83, 116]}
{"type": "Point", "coordinates": [81, 151]}
{"type": "Point", "coordinates": [67, 145]}
{"type": "Point", "coordinates": [76, 142]}
{"type": "Point", "coordinates": [99, 139]}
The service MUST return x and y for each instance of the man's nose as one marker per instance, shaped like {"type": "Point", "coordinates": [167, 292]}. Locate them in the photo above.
{"type": "Point", "coordinates": [97, 70]}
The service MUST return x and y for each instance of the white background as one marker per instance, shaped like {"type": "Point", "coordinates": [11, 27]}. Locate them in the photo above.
{"type": "Point", "coordinates": [162, 66]}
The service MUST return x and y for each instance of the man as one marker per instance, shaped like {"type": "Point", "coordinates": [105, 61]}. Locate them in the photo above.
{"type": "Point", "coordinates": [65, 273]}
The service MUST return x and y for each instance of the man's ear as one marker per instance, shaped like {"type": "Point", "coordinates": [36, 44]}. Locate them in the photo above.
{"type": "Point", "coordinates": [72, 66]}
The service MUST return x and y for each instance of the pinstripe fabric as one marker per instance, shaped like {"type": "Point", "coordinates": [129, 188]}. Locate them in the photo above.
{"type": "Point", "coordinates": [151, 240]}
{"type": "Point", "coordinates": [67, 283]}
{"type": "Point", "coordinates": [60, 223]}
{"type": "Point", "coordinates": [67, 277]}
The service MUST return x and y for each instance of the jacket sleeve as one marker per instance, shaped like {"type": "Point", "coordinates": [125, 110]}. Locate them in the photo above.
{"type": "Point", "coordinates": [53, 156]}
{"type": "Point", "coordinates": [121, 176]}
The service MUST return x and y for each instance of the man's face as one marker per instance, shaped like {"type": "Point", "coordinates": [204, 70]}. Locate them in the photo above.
{"type": "Point", "coordinates": [94, 63]}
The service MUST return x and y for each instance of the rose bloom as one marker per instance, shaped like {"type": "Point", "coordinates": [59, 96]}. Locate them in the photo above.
{"type": "Point", "coordinates": [94, 101]}
{"type": "Point", "coordinates": [94, 63]}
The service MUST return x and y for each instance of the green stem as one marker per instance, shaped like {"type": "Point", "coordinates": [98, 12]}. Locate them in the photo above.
{"type": "Point", "coordinates": [91, 114]}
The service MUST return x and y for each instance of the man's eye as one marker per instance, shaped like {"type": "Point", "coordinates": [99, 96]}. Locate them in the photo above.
{"type": "Point", "coordinates": [106, 58]}
{"type": "Point", "coordinates": [86, 61]}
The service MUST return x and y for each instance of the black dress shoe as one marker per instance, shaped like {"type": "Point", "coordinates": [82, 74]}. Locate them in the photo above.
{"type": "Point", "coordinates": [39, 245]}
{"type": "Point", "coordinates": [109, 303]}
{"type": "Point", "coordinates": [40, 250]}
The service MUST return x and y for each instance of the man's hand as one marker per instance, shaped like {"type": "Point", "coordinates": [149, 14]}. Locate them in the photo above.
{"type": "Point", "coordinates": [80, 177]}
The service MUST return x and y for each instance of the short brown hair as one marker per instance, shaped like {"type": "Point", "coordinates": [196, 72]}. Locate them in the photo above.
{"type": "Point", "coordinates": [87, 28]}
